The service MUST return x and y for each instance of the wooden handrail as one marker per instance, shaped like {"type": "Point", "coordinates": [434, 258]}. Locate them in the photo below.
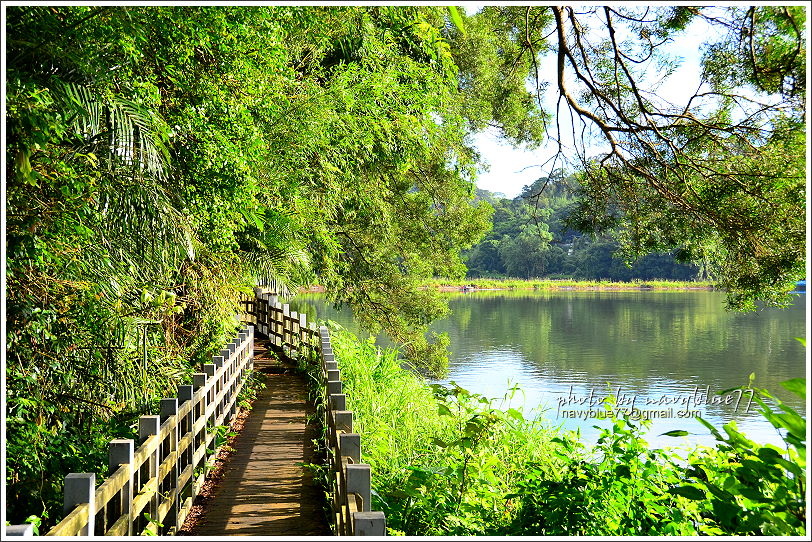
{"type": "Point", "coordinates": [349, 479]}
{"type": "Point", "coordinates": [151, 491]}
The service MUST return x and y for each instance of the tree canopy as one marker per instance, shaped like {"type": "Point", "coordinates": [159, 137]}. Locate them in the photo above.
{"type": "Point", "coordinates": [719, 178]}
{"type": "Point", "coordinates": [532, 238]}
{"type": "Point", "coordinates": [160, 158]}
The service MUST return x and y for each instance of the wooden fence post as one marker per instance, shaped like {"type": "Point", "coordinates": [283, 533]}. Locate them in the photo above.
{"type": "Point", "coordinates": [148, 426]}
{"type": "Point", "coordinates": [303, 343]}
{"type": "Point", "coordinates": [279, 326]}
{"type": "Point", "coordinates": [233, 362]}
{"type": "Point", "coordinates": [154, 487]}
{"type": "Point", "coordinates": [294, 331]}
{"type": "Point", "coordinates": [185, 394]}
{"type": "Point", "coordinates": [250, 330]}
{"type": "Point", "coordinates": [333, 375]}
{"type": "Point", "coordinates": [218, 362]}
{"type": "Point", "coordinates": [349, 444]}
{"type": "Point", "coordinates": [209, 369]}
{"type": "Point", "coordinates": [80, 488]}
{"type": "Point", "coordinates": [199, 438]}
{"type": "Point", "coordinates": [369, 524]}
{"type": "Point", "coordinates": [169, 409]}
{"type": "Point", "coordinates": [26, 529]}
{"type": "Point", "coordinates": [285, 326]}
{"type": "Point", "coordinates": [338, 401]}
{"type": "Point", "coordinates": [343, 420]}
{"type": "Point", "coordinates": [334, 387]}
{"type": "Point", "coordinates": [359, 481]}
{"type": "Point", "coordinates": [121, 453]}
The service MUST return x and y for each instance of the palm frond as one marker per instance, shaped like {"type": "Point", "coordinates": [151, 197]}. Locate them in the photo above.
{"type": "Point", "coordinates": [281, 271]}
{"type": "Point", "coordinates": [275, 255]}
{"type": "Point", "coordinates": [126, 134]}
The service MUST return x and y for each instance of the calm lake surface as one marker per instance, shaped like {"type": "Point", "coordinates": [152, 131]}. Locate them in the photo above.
{"type": "Point", "coordinates": [667, 354]}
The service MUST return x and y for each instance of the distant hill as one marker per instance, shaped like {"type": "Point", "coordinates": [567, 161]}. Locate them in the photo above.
{"type": "Point", "coordinates": [532, 238]}
{"type": "Point", "coordinates": [487, 195]}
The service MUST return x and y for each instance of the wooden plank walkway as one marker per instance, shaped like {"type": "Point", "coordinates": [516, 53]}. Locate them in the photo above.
{"type": "Point", "coordinates": [265, 490]}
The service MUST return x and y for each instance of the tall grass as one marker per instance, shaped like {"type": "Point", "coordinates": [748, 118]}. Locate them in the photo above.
{"type": "Point", "coordinates": [559, 284]}
{"type": "Point", "coordinates": [449, 462]}
{"type": "Point", "coordinates": [442, 459]}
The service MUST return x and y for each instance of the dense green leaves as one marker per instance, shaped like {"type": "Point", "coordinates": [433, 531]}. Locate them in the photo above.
{"type": "Point", "coordinates": [163, 158]}
{"type": "Point", "coordinates": [532, 237]}
{"type": "Point", "coordinates": [450, 462]}
{"type": "Point", "coordinates": [721, 178]}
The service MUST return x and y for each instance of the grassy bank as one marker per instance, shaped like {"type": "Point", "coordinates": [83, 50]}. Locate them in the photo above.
{"type": "Point", "coordinates": [565, 284]}
{"type": "Point", "coordinates": [550, 285]}
{"type": "Point", "coordinates": [449, 462]}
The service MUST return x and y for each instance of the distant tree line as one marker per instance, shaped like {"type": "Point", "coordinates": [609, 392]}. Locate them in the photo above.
{"type": "Point", "coordinates": [533, 237]}
{"type": "Point", "coordinates": [161, 158]}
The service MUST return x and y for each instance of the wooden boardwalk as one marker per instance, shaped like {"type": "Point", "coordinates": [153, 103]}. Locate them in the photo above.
{"type": "Point", "coordinates": [265, 490]}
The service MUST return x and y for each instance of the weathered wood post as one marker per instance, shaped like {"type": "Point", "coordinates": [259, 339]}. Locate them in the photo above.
{"type": "Point", "coordinates": [199, 436]}
{"type": "Point", "coordinates": [251, 335]}
{"type": "Point", "coordinates": [338, 401]}
{"type": "Point", "coordinates": [80, 488]}
{"type": "Point", "coordinates": [285, 325]}
{"type": "Point", "coordinates": [185, 394]}
{"type": "Point", "coordinates": [234, 379]}
{"type": "Point", "coordinates": [280, 324]}
{"type": "Point", "coordinates": [210, 432]}
{"type": "Point", "coordinates": [294, 332]}
{"type": "Point", "coordinates": [276, 322]}
{"type": "Point", "coordinates": [369, 524]}
{"type": "Point", "coordinates": [122, 453]}
{"type": "Point", "coordinates": [359, 481]}
{"type": "Point", "coordinates": [147, 427]}
{"type": "Point", "coordinates": [210, 369]}
{"type": "Point", "coordinates": [343, 420]}
{"type": "Point", "coordinates": [334, 387]}
{"type": "Point", "coordinates": [218, 362]}
{"type": "Point", "coordinates": [303, 343]}
{"type": "Point", "coordinates": [333, 375]}
{"type": "Point", "coordinates": [26, 529]}
{"type": "Point", "coordinates": [349, 444]}
{"type": "Point", "coordinates": [169, 411]}
{"type": "Point", "coordinates": [245, 354]}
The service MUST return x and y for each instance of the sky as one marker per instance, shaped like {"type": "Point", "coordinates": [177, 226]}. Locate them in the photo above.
{"type": "Point", "coordinates": [510, 168]}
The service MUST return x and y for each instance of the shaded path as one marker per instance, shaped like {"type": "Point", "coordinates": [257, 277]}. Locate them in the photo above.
{"type": "Point", "coordinates": [264, 489]}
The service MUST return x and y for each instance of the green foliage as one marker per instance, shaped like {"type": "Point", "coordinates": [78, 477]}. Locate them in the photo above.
{"type": "Point", "coordinates": [161, 158]}
{"type": "Point", "coordinates": [744, 488]}
{"type": "Point", "coordinates": [254, 383]}
{"type": "Point", "coordinates": [152, 521]}
{"type": "Point", "coordinates": [620, 487]}
{"type": "Point", "coordinates": [719, 179]}
{"type": "Point", "coordinates": [715, 179]}
{"type": "Point", "coordinates": [493, 71]}
{"type": "Point", "coordinates": [443, 458]}
{"type": "Point", "coordinates": [449, 462]}
{"type": "Point", "coordinates": [532, 238]}
{"type": "Point", "coordinates": [223, 433]}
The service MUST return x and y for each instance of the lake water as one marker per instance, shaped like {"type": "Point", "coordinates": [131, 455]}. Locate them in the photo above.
{"type": "Point", "coordinates": [667, 354]}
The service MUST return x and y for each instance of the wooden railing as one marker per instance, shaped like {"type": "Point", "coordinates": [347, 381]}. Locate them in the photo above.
{"type": "Point", "coordinates": [150, 489]}
{"type": "Point", "coordinates": [349, 479]}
